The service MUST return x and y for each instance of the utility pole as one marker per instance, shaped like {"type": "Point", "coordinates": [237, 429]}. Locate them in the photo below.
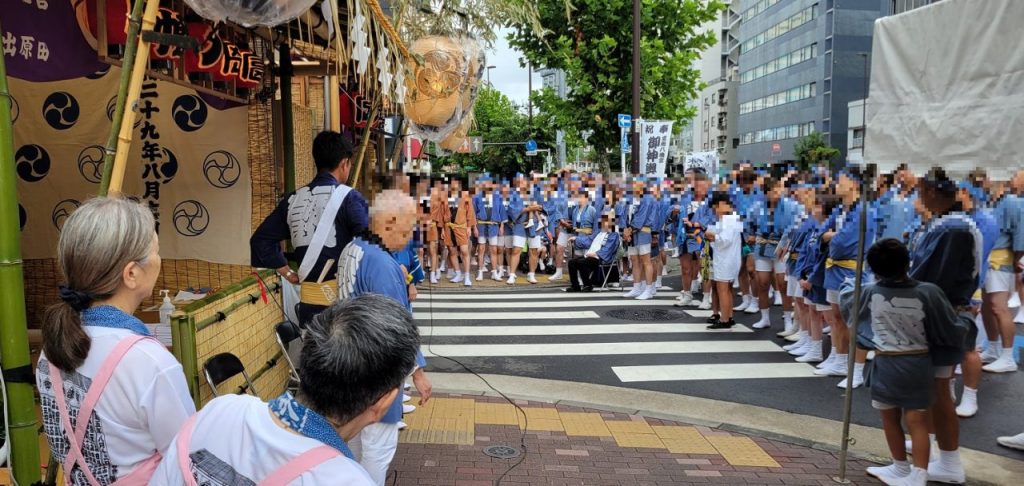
{"type": "Point", "coordinates": [529, 99]}
{"type": "Point", "coordinates": [635, 139]}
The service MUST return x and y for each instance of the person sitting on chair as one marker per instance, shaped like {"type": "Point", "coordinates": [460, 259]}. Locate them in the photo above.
{"type": "Point", "coordinates": [586, 268]}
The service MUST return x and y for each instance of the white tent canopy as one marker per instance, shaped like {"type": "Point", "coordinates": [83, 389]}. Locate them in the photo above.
{"type": "Point", "coordinates": [947, 88]}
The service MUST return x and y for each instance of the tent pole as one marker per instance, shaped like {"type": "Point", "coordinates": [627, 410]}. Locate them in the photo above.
{"type": "Point", "coordinates": [138, 74]}
{"type": "Point", "coordinates": [287, 121]}
{"type": "Point", "coordinates": [14, 352]}
{"type": "Point", "coordinates": [122, 94]}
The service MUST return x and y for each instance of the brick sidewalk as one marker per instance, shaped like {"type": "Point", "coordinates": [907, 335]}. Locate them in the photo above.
{"type": "Point", "coordinates": [575, 446]}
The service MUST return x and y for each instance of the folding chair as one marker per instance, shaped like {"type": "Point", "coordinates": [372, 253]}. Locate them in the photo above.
{"type": "Point", "coordinates": [606, 270]}
{"type": "Point", "coordinates": [223, 367]}
{"type": "Point", "coordinates": [289, 338]}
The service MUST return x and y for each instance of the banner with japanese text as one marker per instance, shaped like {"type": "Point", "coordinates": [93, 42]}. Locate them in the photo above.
{"type": "Point", "coordinates": [188, 162]}
{"type": "Point", "coordinates": [654, 144]}
{"type": "Point", "coordinates": [708, 161]}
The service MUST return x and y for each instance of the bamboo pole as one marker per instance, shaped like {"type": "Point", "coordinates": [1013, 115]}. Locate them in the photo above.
{"type": "Point", "coordinates": [353, 178]}
{"type": "Point", "coordinates": [334, 95]}
{"type": "Point", "coordinates": [14, 353]}
{"type": "Point", "coordinates": [287, 121]}
{"type": "Point", "coordinates": [133, 69]}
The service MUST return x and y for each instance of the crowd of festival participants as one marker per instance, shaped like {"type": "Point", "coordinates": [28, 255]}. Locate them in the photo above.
{"type": "Point", "coordinates": [943, 262]}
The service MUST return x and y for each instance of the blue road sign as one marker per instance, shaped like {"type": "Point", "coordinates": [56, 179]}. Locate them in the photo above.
{"type": "Point", "coordinates": [625, 121]}
{"type": "Point", "coordinates": [531, 145]}
{"type": "Point", "coordinates": [624, 142]}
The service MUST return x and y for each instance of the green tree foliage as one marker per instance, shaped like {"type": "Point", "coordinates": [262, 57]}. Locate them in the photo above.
{"type": "Point", "coordinates": [498, 120]}
{"type": "Point", "coordinates": [813, 149]}
{"type": "Point", "coordinates": [593, 45]}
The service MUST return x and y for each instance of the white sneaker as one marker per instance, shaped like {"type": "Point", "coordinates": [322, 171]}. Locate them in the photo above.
{"type": "Point", "coordinates": [531, 278]}
{"type": "Point", "coordinates": [752, 307]}
{"type": "Point", "coordinates": [990, 355]}
{"type": "Point", "coordinates": [917, 477]}
{"type": "Point", "coordinates": [858, 381]}
{"type": "Point", "coordinates": [457, 278]}
{"type": "Point", "coordinates": [1004, 364]}
{"type": "Point", "coordinates": [467, 282]}
{"type": "Point", "coordinates": [664, 271]}
{"type": "Point", "coordinates": [828, 361]}
{"type": "Point", "coordinates": [813, 354]}
{"type": "Point", "coordinates": [648, 293]}
{"type": "Point", "coordinates": [706, 303]}
{"type": "Point", "coordinates": [634, 292]}
{"type": "Point", "coordinates": [764, 323]}
{"type": "Point", "coordinates": [627, 278]}
{"type": "Point", "coordinates": [406, 398]}
{"type": "Point", "coordinates": [941, 472]}
{"type": "Point", "coordinates": [968, 406]}
{"type": "Point", "coordinates": [804, 337]}
{"type": "Point", "coordinates": [496, 276]}
{"type": "Point", "coordinates": [695, 286]}
{"type": "Point", "coordinates": [1013, 442]}
{"type": "Point", "coordinates": [837, 368]}
{"type": "Point", "coordinates": [802, 349]}
{"type": "Point", "coordinates": [408, 408]}
{"type": "Point", "coordinates": [791, 329]}
{"type": "Point", "coordinates": [743, 304]}
{"type": "Point", "coordinates": [402, 425]}
{"type": "Point", "coordinates": [657, 283]}
{"type": "Point", "coordinates": [891, 473]}
{"type": "Point", "coordinates": [479, 276]}
{"type": "Point", "coordinates": [684, 299]}
{"type": "Point", "coordinates": [556, 277]}
{"type": "Point", "coordinates": [433, 278]}
{"type": "Point", "coordinates": [511, 279]}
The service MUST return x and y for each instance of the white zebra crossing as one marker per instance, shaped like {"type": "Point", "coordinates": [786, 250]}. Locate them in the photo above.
{"type": "Point", "coordinates": [542, 315]}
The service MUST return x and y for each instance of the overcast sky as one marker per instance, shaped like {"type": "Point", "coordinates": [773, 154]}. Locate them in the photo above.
{"type": "Point", "coordinates": [507, 76]}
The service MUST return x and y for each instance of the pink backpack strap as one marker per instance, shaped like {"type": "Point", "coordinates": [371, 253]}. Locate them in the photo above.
{"type": "Point", "coordinates": [184, 461]}
{"type": "Point", "coordinates": [76, 434]}
{"type": "Point", "coordinates": [141, 475]}
{"type": "Point", "coordinates": [300, 465]}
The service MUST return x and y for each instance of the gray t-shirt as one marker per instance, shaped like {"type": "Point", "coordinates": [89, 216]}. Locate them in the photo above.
{"type": "Point", "coordinates": [902, 316]}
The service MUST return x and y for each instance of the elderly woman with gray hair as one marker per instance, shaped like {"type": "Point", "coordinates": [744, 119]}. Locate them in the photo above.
{"type": "Point", "coordinates": [356, 354]}
{"type": "Point", "coordinates": [112, 397]}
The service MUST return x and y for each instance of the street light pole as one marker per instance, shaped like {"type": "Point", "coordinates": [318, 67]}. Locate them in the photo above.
{"type": "Point", "coordinates": [635, 138]}
{"type": "Point", "coordinates": [529, 98]}
{"type": "Point", "coordinates": [489, 75]}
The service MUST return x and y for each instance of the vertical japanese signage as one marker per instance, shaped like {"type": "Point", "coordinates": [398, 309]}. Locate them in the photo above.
{"type": "Point", "coordinates": [41, 41]}
{"type": "Point", "coordinates": [654, 144]}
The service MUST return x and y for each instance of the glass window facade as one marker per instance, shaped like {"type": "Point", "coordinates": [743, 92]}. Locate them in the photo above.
{"type": "Point", "coordinates": [757, 8]}
{"type": "Point", "coordinates": [798, 56]}
{"type": "Point", "coordinates": [777, 133]}
{"type": "Point", "coordinates": [802, 17]}
{"type": "Point", "coordinates": [782, 97]}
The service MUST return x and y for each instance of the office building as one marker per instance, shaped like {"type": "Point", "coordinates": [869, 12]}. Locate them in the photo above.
{"type": "Point", "coordinates": [555, 79]}
{"type": "Point", "coordinates": [715, 126]}
{"type": "Point", "coordinates": [801, 63]}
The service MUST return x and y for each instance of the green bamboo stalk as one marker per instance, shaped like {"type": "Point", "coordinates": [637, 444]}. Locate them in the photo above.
{"type": "Point", "coordinates": [122, 95]}
{"type": "Point", "coordinates": [14, 353]}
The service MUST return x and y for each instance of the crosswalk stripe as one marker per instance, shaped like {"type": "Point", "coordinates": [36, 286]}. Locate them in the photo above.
{"type": "Point", "coordinates": [556, 330]}
{"type": "Point", "coordinates": [503, 316]}
{"type": "Point", "coordinates": [579, 304]}
{"type": "Point", "coordinates": [425, 294]}
{"type": "Point", "coordinates": [732, 371]}
{"type": "Point", "coordinates": [592, 349]}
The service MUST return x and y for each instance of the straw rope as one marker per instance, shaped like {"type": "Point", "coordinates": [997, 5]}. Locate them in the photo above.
{"type": "Point", "coordinates": [389, 29]}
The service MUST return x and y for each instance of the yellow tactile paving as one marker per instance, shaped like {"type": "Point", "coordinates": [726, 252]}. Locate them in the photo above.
{"type": "Point", "coordinates": [684, 440]}
{"type": "Point", "coordinates": [629, 427]}
{"type": "Point", "coordinates": [542, 419]}
{"type": "Point", "coordinates": [497, 414]}
{"type": "Point", "coordinates": [584, 425]}
{"type": "Point", "coordinates": [441, 421]}
{"type": "Point", "coordinates": [649, 441]}
{"type": "Point", "coordinates": [741, 451]}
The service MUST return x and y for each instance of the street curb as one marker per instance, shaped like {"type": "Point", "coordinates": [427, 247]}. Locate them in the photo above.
{"type": "Point", "coordinates": [984, 469]}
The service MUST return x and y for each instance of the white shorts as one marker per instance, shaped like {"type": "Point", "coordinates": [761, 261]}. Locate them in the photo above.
{"type": "Point", "coordinates": [639, 250]}
{"type": "Point", "coordinates": [508, 241]}
{"type": "Point", "coordinates": [996, 281]}
{"type": "Point", "coordinates": [769, 265]}
{"type": "Point", "coordinates": [520, 241]}
{"type": "Point", "coordinates": [493, 240]}
{"type": "Point", "coordinates": [832, 297]}
{"type": "Point", "coordinates": [822, 307]}
{"type": "Point", "coordinates": [793, 287]}
{"type": "Point", "coordinates": [563, 238]}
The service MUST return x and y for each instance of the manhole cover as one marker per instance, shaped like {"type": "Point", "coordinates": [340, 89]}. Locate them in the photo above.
{"type": "Point", "coordinates": [501, 452]}
{"type": "Point", "coordinates": [635, 314]}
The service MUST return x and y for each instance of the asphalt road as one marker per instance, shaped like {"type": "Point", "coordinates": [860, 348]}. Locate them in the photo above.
{"type": "Point", "coordinates": [511, 331]}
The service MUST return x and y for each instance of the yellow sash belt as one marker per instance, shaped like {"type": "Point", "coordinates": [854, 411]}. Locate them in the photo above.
{"type": "Point", "coordinates": [847, 264]}
{"type": "Point", "coordinates": [319, 293]}
{"type": "Point", "coordinates": [585, 231]}
{"type": "Point", "coordinates": [1002, 257]}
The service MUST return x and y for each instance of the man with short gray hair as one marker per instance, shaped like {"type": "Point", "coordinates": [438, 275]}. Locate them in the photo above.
{"type": "Point", "coordinates": [356, 354]}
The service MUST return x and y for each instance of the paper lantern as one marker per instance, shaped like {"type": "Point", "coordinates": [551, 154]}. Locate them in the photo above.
{"type": "Point", "coordinates": [458, 140]}
{"type": "Point", "coordinates": [442, 86]}
{"type": "Point", "coordinates": [250, 12]}
{"type": "Point", "coordinates": [116, 20]}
